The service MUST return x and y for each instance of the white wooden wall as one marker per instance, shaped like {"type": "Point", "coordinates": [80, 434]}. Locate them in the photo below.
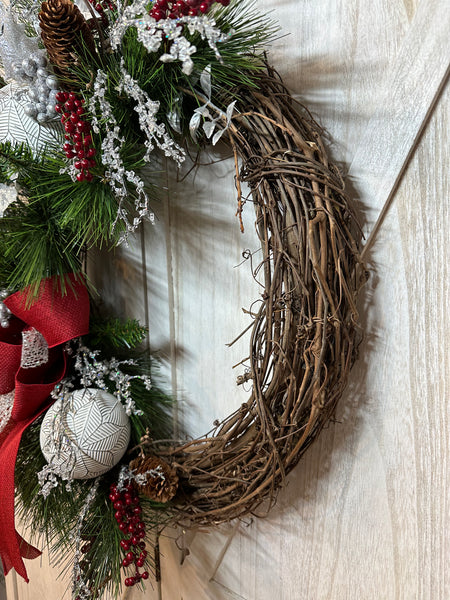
{"type": "Point", "coordinates": [366, 513]}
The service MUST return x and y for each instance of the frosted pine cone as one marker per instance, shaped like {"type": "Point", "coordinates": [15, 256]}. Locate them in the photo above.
{"type": "Point", "coordinates": [161, 480]}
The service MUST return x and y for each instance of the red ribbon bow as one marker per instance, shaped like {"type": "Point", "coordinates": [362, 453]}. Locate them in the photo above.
{"type": "Point", "coordinates": [59, 318]}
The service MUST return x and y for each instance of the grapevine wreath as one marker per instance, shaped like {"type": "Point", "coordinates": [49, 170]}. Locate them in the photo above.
{"type": "Point", "coordinates": [94, 94]}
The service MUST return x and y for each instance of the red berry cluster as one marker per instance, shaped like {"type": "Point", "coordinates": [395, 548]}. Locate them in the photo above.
{"type": "Point", "coordinates": [128, 516]}
{"type": "Point", "coordinates": [78, 133]}
{"type": "Point", "coordinates": [173, 9]}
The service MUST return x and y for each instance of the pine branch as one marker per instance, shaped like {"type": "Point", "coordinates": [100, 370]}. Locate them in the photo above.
{"type": "Point", "coordinates": [116, 334]}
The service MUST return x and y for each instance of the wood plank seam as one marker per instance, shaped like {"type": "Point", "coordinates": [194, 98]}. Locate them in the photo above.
{"type": "Point", "coordinates": [412, 87]}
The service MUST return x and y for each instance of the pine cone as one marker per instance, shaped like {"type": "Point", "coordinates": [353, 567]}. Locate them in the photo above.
{"type": "Point", "coordinates": [162, 480]}
{"type": "Point", "coordinates": [65, 34]}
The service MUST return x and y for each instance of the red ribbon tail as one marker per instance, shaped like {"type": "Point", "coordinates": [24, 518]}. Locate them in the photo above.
{"type": "Point", "coordinates": [26, 551]}
{"type": "Point", "coordinates": [12, 547]}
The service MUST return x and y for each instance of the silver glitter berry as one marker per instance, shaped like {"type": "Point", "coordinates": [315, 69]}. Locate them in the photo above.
{"type": "Point", "coordinates": [52, 82]}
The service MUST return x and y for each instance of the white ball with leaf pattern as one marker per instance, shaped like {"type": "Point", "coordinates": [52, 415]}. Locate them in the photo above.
{"type": "Point", "coordinates": [85, 435]}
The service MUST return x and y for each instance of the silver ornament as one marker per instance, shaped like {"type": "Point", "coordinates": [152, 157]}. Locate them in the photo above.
{"type": "Point", "coordinates": [42, 73]}
{"type": "Point", "coordinates": [51, 112]}
{"type": "Point", "coordinates": [52, 82]}
{"type": "Point", "coordinates": [30, 110]}
{"type": "Point", "coordinates": [33, 94]}
{"type": "Point", "coordinates": [5, 315]}
{"type": "Point", "coordinates": [85, 435]}
{"type": "Point", "coordinates": [42, 117]}
{"type": "Point", "coordinates": [29, 66]}
{"type": "Point", "coordinates": [41, 60]}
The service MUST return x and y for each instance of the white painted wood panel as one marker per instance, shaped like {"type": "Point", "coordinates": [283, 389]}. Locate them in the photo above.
{"type": "Point", "coordinates": [365, 514]}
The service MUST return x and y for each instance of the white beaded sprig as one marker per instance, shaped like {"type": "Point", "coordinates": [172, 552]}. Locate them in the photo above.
{"type": "Point", "coordinates": [126, 475]}
{"type": "Point", "coordinates": [146, 109]}
{"type": "Point", "coordinates": [94, 372]}
{"type": "Point", "coordinates": [152, 33]}
{"type": "Point", "coordinates": [52, 473]}
{"type": "Point", "coordinates": [116, 174]}
{"type": "Point", "coordinates": [80, 588]}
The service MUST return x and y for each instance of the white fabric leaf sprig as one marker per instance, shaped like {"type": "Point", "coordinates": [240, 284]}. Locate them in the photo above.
{"type": "Point", "coordinates": [210, 123]}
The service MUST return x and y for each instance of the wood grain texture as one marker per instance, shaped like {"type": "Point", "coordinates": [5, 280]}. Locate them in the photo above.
{"type": "Point", "coordinates": [365, 513]}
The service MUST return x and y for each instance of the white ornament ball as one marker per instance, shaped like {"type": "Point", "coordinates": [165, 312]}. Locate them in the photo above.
{"type": "Point", "coordinates": [87, 435]}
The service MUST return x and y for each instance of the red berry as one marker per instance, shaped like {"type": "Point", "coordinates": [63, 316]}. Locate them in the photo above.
{"type": "Point", "coordinates": [87, 142]}
{"type": "Point", "coordinates": [82, 154]}
{"type": "Point", "coordinates": [139, 562]}
{"type": "Point", "coordinates": [99, 8]}
{"type": "Point", "coordinates": [61, 97]}
{"type": "Point", "coordinates": [193, 12]}
{"type": "Point", "coordinates": [77, 103]}
{"type": "Point", "coordinates": [67, 146]}
{"type": "Point", "coordinates": [80, 111]}
{"type": "Point", "coordinates": [70, 154]}
{"type": "Point", "coordinates": [74, 118]}
{"type": "Point", "coordinates": [125, 544]}
{"type": "Point", "coordinates": [135, 540]}
{"type": "Point", "coordinates": [80, 176]}
{"type": "Point", "coordinates": [77, 165]}
{"type": "Point", "coordinates": [137, 510]}
{"type": "Point", "coordinates": [91, 153]}
{"type": "Point", "coordinates": [58, 108]}
{"type": "Point", "coordinates": [72, 96]}
{"type": "Point", "coordinates": [141, 534]}
{"type": "Point", "coordinates": [142, 546]}
{"type": "Point", "coordinates": [69, 106]}
{"type": "Point", "coordinates": [118, 505]}
{"type": "Point", "coordinates": [125, 563]}
{"type": "Point", "coordinates": [92, 163]}
{"type": "Point", "coordinates": [85, 165]}
{"type": "Point", "coordinates": [130, 556]}
{"type": "Point", "coordinates": [144, 575]}
{"type": "Point", "coordinates": [129, 581]}
{"type": "Point", "coordinates": [69, 127]}
{"type": "Point", "coordinates": [157, 14]}
{"type": "Point", "coordinates": [89, 176]}
{"type": "Point", "coordinates": [118, 514]}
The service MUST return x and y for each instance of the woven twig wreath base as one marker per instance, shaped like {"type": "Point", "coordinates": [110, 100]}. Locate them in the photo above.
{"type": "Point", "coordinates": [304, 337]}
